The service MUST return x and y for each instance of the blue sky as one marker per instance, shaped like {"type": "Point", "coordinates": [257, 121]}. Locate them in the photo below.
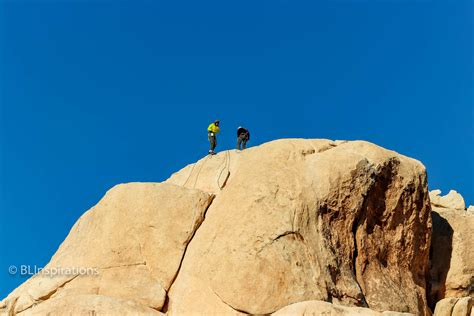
{"type": "Point", "coordinates": [98, 93]}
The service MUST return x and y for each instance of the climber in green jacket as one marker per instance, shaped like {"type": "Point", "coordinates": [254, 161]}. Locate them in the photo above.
{"type": "Point", "coordinates": [212, 130]}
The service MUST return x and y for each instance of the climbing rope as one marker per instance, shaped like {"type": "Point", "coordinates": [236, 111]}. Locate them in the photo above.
{"type": "Point", "coordinates": [226, 165]}
{"type": "Point", "coordinates": [197, 175]}
{"type": "Point", "coordinates": [191, 172]}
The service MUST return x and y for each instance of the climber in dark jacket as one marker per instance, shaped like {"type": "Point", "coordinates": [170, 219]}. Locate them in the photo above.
{"type": "Point", "coordinates": [243, 136]}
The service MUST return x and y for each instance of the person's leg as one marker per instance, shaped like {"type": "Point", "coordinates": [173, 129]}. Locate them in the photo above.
{"type": "Point", "coordinates": [214, 143]}
{"type": "Point", "coordinates": [239, 141]}
{"type": "Point", "coordinates": [244, 144]}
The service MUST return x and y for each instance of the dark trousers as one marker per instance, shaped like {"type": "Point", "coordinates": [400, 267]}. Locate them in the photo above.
{"type": "Point", "coordinates": [242, 140]}
{"type": "Point", "coordinates": [213, 141]}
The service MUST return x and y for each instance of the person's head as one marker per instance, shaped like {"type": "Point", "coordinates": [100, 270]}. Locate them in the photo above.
{"type": "Point", "coordinates": [216, 122]}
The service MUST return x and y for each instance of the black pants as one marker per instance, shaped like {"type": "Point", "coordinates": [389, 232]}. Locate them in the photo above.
{"type": "Point", "coordinates": [213, 141]}
{"type": "Point", "coordinates": [242, 140]}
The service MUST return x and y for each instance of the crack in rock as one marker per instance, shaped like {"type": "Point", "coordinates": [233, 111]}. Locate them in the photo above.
{"type": "Point", "coordinates": [124, 265]}
{"type": "Point", "coordinates": [43, 298]}
{"type": "Point", "coordinates": [198, 225]}
{"type": "Point", "coordinates": [234, 308]}
{"type": "Point", "coordinates": [296, 234]}
{"type": "Point", "coordinates": [11, 308]}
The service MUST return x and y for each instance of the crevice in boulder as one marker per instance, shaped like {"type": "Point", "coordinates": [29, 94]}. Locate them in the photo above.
{"type": "Point", "coordinates": [355, 254]}
{"type": "Point", "coordinates": [227, 174]}
{"type": "Point", "coordinates": [47, 296]}
{"type": "Point", "coordinates": [43, 298]}
{"type": "Point", "coordinates": [295, 234]}
{"type": "Point", "coordinates": [360, 298]}
{"type": "Point", "coordinates": [288, 233]}
{"type": "Point", "coordinates": [124, 265]}
{"type": "Point", "coordinates": [165, 307]}
{"type": "Point", "coordinates": [198, 224]}
{"type": "Point", "coordinates": [440, 259]}
{"type": "Point", "coordinates": [225, 181]}
{"type": "Point", "coordinates": [237, 309]}
{"type": "Point", "coordinates": [11, 308]}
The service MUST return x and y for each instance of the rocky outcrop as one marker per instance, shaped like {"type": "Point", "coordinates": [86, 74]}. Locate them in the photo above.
{"type": "Point", "coordinates": [134, 238]}
{"type": "Point", "coordinates": [89, 304]}
{"type": "Point", "coordinates": [286, 222]}
{"type": "Point", "coordinates": [452, 200]}
{"type": "Point", "coordinates": [452, 252]}
{"type": "Point", "coordinates": [455, 306]}
{"type": "Point", "coordinates": [309, 220]}
{"type": "Point", "coordinates": [327, 309]}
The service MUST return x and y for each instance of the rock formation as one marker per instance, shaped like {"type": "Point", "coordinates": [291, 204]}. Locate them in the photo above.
{"type": "Point", "coordinates": [324, 308]}
{"type": "Point", "coordinates": [452, 255]}
{"type": "Point", "coordinates": [136, 236]}
{"type": "Point", "coordinates": [452, 200]}
{"type": "Point", "coordinates": [454, 306]}
{"type": "Point", "coordinates": [308, 220]}
{"type": "Point", "coordinates": [290, 227]}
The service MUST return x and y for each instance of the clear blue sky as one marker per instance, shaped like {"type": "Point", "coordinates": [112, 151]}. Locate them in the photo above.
{"type": "Point", "coordinates": [98, 93]}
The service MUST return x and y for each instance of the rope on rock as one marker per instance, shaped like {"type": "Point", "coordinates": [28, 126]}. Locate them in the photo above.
{"type": "Point", "coordinates": [197, 176]}
{"type": "Point", "coordinates": [226, 166]}
{"type": "Point", "coordinates": [191, 172]}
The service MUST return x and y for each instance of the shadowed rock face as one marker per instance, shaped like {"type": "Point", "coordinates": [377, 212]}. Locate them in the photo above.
{"type": "Point", "coordinates": [288, 221]}
{"type": "Point", "coordinates": [441, 251]}
{"type": "Point", "coordinates": [452, 256]}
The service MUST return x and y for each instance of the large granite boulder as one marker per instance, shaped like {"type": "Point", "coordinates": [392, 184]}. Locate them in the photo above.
{"type": "Point", "coordinates": [249, 233]}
